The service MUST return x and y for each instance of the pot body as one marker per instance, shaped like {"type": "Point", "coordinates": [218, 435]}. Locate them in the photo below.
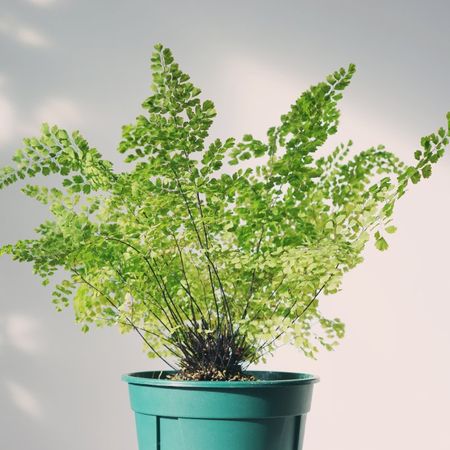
{"type": "Point", "coordinates": [267, 414]}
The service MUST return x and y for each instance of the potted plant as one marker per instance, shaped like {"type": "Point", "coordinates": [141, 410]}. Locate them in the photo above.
{"type": "Point", "coordinates": [213, 252]}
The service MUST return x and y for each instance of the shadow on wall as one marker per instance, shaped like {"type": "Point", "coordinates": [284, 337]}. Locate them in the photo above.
{"type": "Point", "coordinates": [24, 421]}
{"type": "Point", "coordinates": [22, 334]}
{"type": "Point", "coordinates": [55, 380]}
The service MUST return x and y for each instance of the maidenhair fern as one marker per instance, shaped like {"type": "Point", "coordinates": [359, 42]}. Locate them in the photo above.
{"type": "Point", "coordinates": [212, 252]}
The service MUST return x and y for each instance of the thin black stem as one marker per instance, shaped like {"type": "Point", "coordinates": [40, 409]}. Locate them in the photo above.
{"type": "Point", "coordinates": [187, 288]}
{"type": "Point", "coordinates": [207, 254]}
{"type": "Point", "coordinates": [252, 283]}
{"type": "Point", "coordinates": [191, 217]}
{"type": "Point", "coordinates": [205, 245]}
{"type": "Point", "coordinates": [124, 281]}
{"type": "Point", "coordinates": [272, 294]}
{"type": "Point", "coordinates": [130, 322]}
{"type": "Point", "coordinates": [205, 297]}
{"type": "Point", "coordinates": [158, 335]}
{"type": "Point", "coordinates": [163, 289]}
{"type": "Point", "coordinates": [295, 319]}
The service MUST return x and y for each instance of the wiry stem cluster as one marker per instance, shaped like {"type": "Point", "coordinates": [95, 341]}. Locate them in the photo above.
{"type": "Point", "coordinates": [212, 355]}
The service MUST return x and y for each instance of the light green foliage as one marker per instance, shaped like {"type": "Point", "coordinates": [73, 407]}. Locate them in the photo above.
{"type": "Point", "coordinates": [191, 235]}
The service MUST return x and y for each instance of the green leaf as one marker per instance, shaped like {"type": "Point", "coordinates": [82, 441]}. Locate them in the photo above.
{"type": "Point", "coordinates": [426, 171]}
{"type": "Point", "coordinates": [415, 177]}
{"type": "Point", "coordinates": [381, 244]}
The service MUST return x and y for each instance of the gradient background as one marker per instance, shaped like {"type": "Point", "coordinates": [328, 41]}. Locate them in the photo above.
{"type": "Point", "coordinates": [84, 64]}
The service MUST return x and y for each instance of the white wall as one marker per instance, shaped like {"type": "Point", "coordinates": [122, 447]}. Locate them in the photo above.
{"type": "Point", "coordinates": [83, 64]}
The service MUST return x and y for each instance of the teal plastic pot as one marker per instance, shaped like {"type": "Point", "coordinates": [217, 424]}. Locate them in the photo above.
{"type": "Point", "coordinates": [267, 414]}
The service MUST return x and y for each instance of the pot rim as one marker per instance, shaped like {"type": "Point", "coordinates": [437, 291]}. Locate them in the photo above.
{"type": "Point", "coordinates": [265, 379]}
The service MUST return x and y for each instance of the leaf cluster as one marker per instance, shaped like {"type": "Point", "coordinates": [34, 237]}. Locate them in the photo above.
{"type": "Point", "coordinates": [212, 252]}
